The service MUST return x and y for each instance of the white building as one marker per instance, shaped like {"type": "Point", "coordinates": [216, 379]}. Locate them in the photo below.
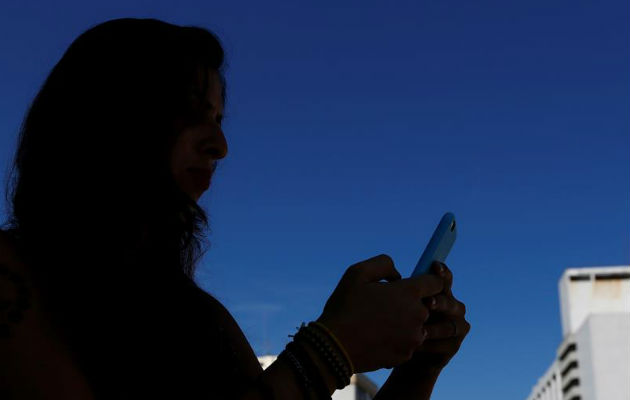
{"type": "Point", "coordinates": [360, 387]}
{"type": "Point", "coordinates": [593, 360]}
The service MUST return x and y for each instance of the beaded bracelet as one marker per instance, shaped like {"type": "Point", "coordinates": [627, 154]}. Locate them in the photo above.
{"type": "Point", "coordinates": [291, 359]}
{"type": "Point", "coordinates": [332, 358]}
{"type": "Point", "coordinates": [329, 356]}
{"type": "Point", "coordinates": [339, 346]}
{"type": "Point", "coordinates": [317, 383]}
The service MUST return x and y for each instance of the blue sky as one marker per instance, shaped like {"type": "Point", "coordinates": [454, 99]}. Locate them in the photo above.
{"type": "Point", "coordinates": [353, 126]}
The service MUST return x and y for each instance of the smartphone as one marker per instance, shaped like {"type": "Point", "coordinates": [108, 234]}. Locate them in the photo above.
{"type": "Point", "coordinates": [439, 246]}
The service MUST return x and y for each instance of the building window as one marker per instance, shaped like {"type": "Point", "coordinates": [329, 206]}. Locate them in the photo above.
{"type": "Point", "coordinates": [618, 275]}
{"type": "Point", "coordinates": [572, 382]}
{"type": "Point", "coordinates": [572, 365]}
{"type": "Point", "coordinates": [580, 277]}
{"type": "Point", "coordinates": [565, 353]}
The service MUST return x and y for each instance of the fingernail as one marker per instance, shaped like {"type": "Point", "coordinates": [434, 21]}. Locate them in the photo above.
{"type": "Point", "coordinates": [433, 302]}
{"type": "Point", "coordinates": [424, 333]}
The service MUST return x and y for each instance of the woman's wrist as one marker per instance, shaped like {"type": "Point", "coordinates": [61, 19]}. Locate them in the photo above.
{"type": "Point", "coordinates": [319, 360]}
{"type": "Point", "coordinates": [406, 384]}
{"type": "Point", "coordinates": [331, 353]}
{"type": "Point", "coordinates": [344, 359]}
{"type": "Point", "coordinates": [327, 375]}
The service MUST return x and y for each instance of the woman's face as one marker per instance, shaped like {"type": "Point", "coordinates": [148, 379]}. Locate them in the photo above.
{"type": "Point", "coordinates": [197, 147]}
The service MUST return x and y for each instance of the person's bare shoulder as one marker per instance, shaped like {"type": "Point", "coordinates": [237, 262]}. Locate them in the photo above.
{"type": "Point", "coordinates": [33, 364]}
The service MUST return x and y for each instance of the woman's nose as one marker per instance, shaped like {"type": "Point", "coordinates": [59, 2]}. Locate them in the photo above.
{"type": "Point", "coordinates": [215, 146]}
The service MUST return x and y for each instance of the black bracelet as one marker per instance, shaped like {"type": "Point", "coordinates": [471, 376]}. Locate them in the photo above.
{"type": "Point", "coordinates": [318, 385]}
{"type": "Point", "coordinates": [335, 354]}
{"type": "Point", "coordinates": [343, 355]}
{"type": "Point", "coordinates": [298, 369]}
{"type": "Point", "coordinates": [324, 347]}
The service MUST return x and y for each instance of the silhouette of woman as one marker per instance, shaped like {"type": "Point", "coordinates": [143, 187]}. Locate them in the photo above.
{"type": "Point", "coordinates": [97, 298]}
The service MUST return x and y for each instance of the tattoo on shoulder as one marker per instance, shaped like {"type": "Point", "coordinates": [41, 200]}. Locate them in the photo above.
{"type": "Point", "coordinates": [15, 299]}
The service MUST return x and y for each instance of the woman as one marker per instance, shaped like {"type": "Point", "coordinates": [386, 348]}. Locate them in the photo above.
{"type": "Point", "coordinates": [98, 254]}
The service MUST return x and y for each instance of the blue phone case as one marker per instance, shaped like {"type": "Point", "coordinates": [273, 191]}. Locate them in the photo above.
{"type": "Point", "coordinates": [439, 245]}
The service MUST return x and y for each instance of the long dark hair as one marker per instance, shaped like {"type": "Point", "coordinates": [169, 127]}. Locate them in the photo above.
{"type": "Point", "coordinates": [93, 206]}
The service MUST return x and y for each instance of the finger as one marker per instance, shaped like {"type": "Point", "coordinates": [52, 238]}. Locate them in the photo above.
{"type": "Point", "coordinates": [423, 285]}
{"type": "Point", "coordinates": [445, 273]}
{"type": "Point", "coordinates": [447, 328]}
{"type": "Point", "coordinates": [420, 312]}
{"type": "Point", "coordinates": [447, 305]}
{"type": "Point", "coordinates": [375, 269]}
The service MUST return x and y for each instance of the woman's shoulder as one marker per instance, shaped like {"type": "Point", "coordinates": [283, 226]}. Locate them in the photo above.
{"type": "Point", "coordinates": [234, 343]}
{"type": "Point", "coordinates": [32, 360]}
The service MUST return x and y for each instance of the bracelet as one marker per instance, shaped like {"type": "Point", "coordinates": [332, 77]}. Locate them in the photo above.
{"type": "Point", "coordinates": [323, 345]}
{"type": "Point", "coordinates": [339, 346]}
{"type": "Point", "coordinates": [305, 383]}
{"type": "Point", "coordinates": [319, 387]}
{"type": "Point", "coordinates": [333, 357]}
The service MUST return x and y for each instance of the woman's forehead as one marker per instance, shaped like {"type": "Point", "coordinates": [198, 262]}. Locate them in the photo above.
{"type": "Point", "coordinates": [212, 81]}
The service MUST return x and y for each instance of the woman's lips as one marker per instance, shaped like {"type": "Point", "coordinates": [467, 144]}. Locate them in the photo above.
{"type": "Point", "coordinates": [200, 178]}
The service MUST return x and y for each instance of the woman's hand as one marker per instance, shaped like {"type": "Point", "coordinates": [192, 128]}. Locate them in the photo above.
{"type": "Point", "coordinates": [446, 328]}
{"type": "Point", "coordinates": [380, 324]}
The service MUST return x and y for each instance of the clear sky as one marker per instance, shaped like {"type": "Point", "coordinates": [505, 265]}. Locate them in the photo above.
{"type": "Point", "coordinates": [354, 125]}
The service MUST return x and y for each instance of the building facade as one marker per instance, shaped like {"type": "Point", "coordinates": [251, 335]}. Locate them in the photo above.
{"type": "Point", "coordinates": [360, 387]}
{"type": "Point", "coordinates": [593, 360]}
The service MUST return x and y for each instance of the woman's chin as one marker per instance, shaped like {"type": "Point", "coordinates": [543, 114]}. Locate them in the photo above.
{"type": "Point", "coordinates": [197, 195]}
